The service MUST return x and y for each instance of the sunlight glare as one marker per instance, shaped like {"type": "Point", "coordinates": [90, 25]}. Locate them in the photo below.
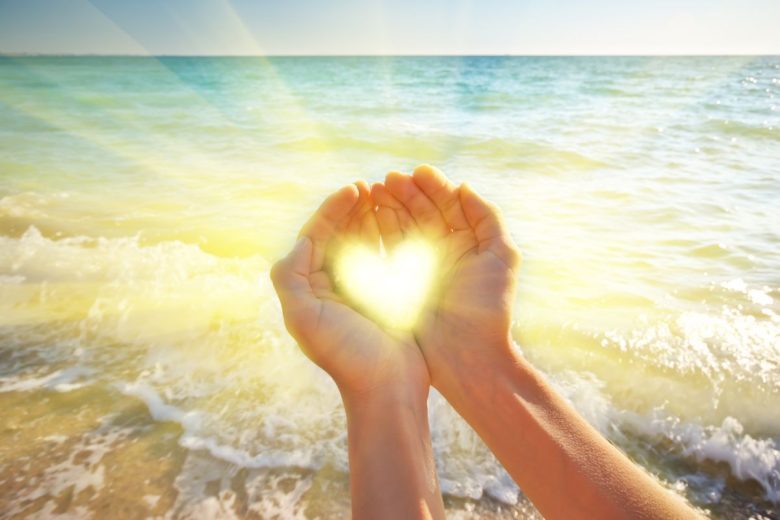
{"type": "Point", "coordinates": [390, 288]}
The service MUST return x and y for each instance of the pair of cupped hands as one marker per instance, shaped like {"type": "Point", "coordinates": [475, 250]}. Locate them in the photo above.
{"type": "Point", "coordinates": [460, 343]}
{"type": "Point", "coordinates": [464, 324]}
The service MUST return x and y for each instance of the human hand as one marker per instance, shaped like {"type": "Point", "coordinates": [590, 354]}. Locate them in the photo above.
{"type": "Point", "coordinates": [464, 334]}
{"type": "Point", "coordinates": [465, 324]}
{"type": "Point", "coordinates": [381, 375]}
{"type": "Point", "coordinates": [360, 356]}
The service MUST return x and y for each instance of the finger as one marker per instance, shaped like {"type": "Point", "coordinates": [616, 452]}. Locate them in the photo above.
{"type": "Point", "coordinates": [290, 277]}
{"type": "Point", "coordinates": [363, 205]}
{"type": "Point", "coordinates": [489, 228]}
{"type": "Point", "coordinates": [423, 211]}
{"type": "Point", "coordinates": [369, 230]}
{"type": "Point", "coordinates": [407, 223]}
{"type": "Point", "coordinates": [322, 226]}
{"type": "Point", "coordinates": [393, 218]}
{"type": "Point", "coordinates": [389, 227]}
{"type": "Point", "coordinates": [382, 197]}
{"type": "Point", "coordinates": [364, 226]}
{"type": "Point", "coordinates": [443, 193]}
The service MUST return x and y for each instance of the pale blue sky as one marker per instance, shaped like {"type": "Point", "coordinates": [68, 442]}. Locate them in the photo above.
{"type": "Point", "coordinates": [389, 27]}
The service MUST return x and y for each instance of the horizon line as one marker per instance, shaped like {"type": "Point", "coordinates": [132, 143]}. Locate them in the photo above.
{"type": "Point", "coordinates": [473, 55]}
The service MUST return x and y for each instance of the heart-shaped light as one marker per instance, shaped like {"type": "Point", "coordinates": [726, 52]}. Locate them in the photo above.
{"type": "Point", "coordinates": [390, 288]}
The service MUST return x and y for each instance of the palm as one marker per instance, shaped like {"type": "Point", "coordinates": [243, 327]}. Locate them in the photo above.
{"type": "Point", "coordinates": [472, 299]}
{"type": "Point", "coordinates": [356, 351]}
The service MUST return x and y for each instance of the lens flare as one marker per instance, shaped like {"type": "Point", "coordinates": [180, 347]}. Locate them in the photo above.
{"type": "Point", "coordinates": [389, 287]}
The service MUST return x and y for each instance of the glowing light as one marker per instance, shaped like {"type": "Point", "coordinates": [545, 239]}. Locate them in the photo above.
{"type": "Point", "coordinates": [390, 288]}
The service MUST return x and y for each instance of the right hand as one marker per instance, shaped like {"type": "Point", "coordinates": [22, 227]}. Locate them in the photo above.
{"type": "Point", "coordinates": [466, 325]}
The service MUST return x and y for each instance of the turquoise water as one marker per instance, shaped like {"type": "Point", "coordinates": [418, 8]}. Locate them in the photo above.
{"type": "Point", "coordinates": [143, 199]}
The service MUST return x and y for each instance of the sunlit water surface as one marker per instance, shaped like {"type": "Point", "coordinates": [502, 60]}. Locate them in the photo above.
{"type": "Point", "coordinates": [144, 366]}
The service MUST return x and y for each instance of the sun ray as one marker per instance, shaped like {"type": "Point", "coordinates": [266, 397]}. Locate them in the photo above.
{"type": "Point", "coordinates": [165, 155]}
{"type": "Point", "coordinates": [293, 120]}
{"type": "Point", "coordinates": [277, 90]}
{"type": "Point", "coordinates": [299, 120]}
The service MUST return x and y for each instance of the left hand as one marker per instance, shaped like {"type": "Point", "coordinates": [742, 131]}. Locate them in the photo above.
{"type": "Point", "coordinates": [361, 357]}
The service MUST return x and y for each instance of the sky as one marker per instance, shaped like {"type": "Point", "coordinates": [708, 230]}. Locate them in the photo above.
{"type": "Point", "coordinates": [328, 27]}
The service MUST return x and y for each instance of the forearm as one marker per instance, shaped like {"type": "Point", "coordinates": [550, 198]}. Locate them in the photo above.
{"type": "Point", "coordinates": [392, 472]}
{"type": "Point", "coordinates": [561, 462]}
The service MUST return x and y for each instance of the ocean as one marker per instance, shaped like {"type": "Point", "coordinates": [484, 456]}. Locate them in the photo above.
{"type": "Point", "coordinates": [144, 366]}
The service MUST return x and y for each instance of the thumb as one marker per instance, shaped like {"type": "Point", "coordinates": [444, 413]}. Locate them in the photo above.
{"type": "Point", "coordinates": [290, 277]}
{"type": "Point", "coordinates": [488, 226]}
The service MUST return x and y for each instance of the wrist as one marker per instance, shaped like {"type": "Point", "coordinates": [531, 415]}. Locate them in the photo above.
{"type": "Point", "coordinates": [385, 398]}
{"type": "Point", "coordinates": [396, 416]}
{"type": "Point", "coordinates": [392, 471]}
{"type": "Point", "coordinates": [479, 371]}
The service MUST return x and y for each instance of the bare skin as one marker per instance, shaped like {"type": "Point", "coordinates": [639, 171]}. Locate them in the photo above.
{"type": "Point", "coordinates": [381, 375]}
{"type": "Point", "coordinates": [462, 345]}
{"type": "Point", "coordinates": [562, 463]}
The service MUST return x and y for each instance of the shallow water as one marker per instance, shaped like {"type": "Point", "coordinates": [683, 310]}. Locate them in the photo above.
{"type": "Point", "coordinates": [144, 366]}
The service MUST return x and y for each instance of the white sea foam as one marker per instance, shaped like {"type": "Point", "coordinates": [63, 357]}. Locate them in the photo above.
{"type": "Point", "coordinates": [467, 469]}
{"type": "Point", "coordinates": [748, 458]}
{"type": "Point", "coordinates": [159, 410]}
{"type": "Point", "coordinates": [269, 494]}
{"type": "Point", "coordinates": [80, 470]}
{"type": "Point", "coordinates": [759, 296]}
{"type": "Point", "coordinates": [204, 345]}
{"type": "Point", "coordinates": [63, 380]}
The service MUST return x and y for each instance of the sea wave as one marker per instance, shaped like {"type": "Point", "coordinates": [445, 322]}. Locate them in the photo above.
{"type": "Point", "coordinates": [203, 343]}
